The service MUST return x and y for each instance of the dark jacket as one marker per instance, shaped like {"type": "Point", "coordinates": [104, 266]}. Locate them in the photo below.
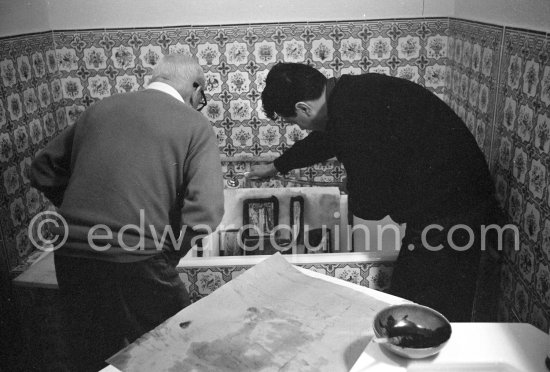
{"type": "Point", "coordinates": [405, 152]}
{"type": "Point", "coordinates": [139, 163]}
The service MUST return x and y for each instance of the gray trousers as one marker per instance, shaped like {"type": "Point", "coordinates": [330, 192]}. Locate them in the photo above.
{"type": "Point", "coordinates": [108, 305]}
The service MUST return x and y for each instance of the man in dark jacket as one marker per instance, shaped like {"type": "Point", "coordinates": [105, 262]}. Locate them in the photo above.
{"type": "Point", "coordinates": [137, 180]}
{"type": "Point", "coordinates": [407, 155]}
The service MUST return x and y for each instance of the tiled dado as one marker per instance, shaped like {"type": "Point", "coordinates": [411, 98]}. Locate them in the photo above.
{"type": "Point", "coordinates": [44, 88]}
{"type": "Point", "coordinates": [201, 281]}
{"type": "Point", "coordinates": [521, 161]}
{"type": "Point", "coordinates": [329, 173]}
{"type": "Point", "coordinates": [96, 64]}
{"type": "Point", "coordinates": [472, 76]}
{"type": "Point", "coordinates": [31, 113]}
{"type": "Point", "coordinates": [48, 79]}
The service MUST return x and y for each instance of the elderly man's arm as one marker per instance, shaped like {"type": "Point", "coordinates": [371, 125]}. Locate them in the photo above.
{"type": "Point", "coordinates": [50, 169]}
{"type": "Point", "coordinates": [202, 193]}
{"type": "Point", "coordinates": [313, 149]}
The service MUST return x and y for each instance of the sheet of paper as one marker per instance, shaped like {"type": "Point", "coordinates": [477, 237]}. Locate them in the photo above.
{"type": "Point", "coordinates": [270, 318]}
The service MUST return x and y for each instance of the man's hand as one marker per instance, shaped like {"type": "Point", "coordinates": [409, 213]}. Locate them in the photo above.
{"type": "Point", "coordinates": [261, 171]}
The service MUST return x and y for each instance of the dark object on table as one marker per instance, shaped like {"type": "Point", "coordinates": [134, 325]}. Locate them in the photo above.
{"type": "Point", "coordinates": [230, 243]}
{"type": "Point", "coordinates": [260, 217]}
{"type": "Point", "coordinates": [297, 219]}
{"type": "Point", "coordinates": [411, 330]}
{"type": "Point", "coordinates": [318, 240]}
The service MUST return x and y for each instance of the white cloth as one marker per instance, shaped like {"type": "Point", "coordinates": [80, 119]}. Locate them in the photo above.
{"type": "Point", "coordinates": [163, 87]}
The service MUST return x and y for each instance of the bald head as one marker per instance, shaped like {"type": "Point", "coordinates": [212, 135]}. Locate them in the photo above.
{"type": "Point", "coordinates": [178, 69]}
{"type": "Point", "coordinates": [183, 73]}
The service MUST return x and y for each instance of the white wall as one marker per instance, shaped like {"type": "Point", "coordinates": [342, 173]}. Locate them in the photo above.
{"type": "Point", "coordinates": [529, 14]}
{"type": "Point", "coordinates": [23, 16]}
{"type": "Point", "coordinates": [82, 14]}
{"type": "Point", "coordinates": [26, 16]}
{"type": "Point", "coordinates": [67, 14]}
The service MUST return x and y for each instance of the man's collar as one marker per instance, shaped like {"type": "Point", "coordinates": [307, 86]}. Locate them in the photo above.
{"type": "Point", "coordinates": [331, 83]}
{"type": "Point", "coordinates": [163, 87]}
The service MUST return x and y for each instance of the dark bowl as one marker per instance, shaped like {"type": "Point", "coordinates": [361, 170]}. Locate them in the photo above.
{"type": "Point", "coordinates": [413, 331]}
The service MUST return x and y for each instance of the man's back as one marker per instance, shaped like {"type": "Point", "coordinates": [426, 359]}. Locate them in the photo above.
{"type": "Point", "coordinates": [406, 153]}
{"type": "Point", "coordinates": [133, 157]}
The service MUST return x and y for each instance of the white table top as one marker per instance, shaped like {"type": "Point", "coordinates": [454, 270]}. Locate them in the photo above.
{"type": "Point", "coordinates": [487, 347]}
{"type": "Point", "coordinates": [483, 347]}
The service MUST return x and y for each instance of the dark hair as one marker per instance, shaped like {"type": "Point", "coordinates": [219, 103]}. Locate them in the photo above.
{"type": "Point", "coordinates": [288, 83]}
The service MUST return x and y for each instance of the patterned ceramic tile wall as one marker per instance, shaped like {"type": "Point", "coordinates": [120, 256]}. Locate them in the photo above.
{"type": "Point", "coordinates": [472, 76]}
{"type": "Point", "coordinates": [30, 106]}
{"type": "Point", "coordinates": [38, 99]}
{"type": "Point", "coordinates": [329, 173]}
{"type": "Point", "coordinates": [96, 64]}
{"type": "Point", "coordinates": [201, 281]}
{"type": "Point", "coordinates": [44, 90]}
{"type": "Point", "coordinates": [521, 162]}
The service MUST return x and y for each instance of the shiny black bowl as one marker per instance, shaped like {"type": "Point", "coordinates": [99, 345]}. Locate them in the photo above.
{"type": "Point", "coordinates": [411, 330]}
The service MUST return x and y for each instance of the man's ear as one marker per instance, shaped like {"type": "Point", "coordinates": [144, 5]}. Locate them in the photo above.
{"type": "Point", "coordinates": [303, 108]}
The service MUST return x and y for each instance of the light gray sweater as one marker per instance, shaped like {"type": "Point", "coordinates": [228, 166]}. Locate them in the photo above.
{"type": "Point", "coordinates": [134, 166]}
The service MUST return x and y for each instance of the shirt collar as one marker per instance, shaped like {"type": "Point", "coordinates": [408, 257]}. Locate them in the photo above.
{"type": "Point", "coordinates": [330, 85]}
{"type": "Point", "coordinates": [163, 87]}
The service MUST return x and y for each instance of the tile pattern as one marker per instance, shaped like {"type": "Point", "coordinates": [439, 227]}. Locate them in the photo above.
{"type": "Point", "coordinates": [96, 64]}
{"type": "Point", "coordinates": [329, 173]}
{"type": "Point", "coordinates": [472, 76]}
{"type": "Point", "coordinates": [201, 281]}
{"type": "Point", "coordinates": [44, 89]}
{"type": "Point", "coordinates": [30, 109]}
{"type": "Point", "coordinates": [520, 163]}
